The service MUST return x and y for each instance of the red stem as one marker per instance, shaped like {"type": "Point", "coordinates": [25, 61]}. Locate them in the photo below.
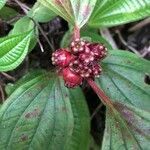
{"type": "Point", "coordinates": [104, 98]}
{"type": "Point", "coordinates": [76, 33]}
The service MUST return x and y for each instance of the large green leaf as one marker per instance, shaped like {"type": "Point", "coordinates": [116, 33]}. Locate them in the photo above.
{"type": "Point", "coordinates": [13, 50]}
{"type": "Point", "coordinates": [114, 12]}
{"type": "Point", "coordinates": [74, 11]}
{"type": "Point", "coordinates": [41, 13]}
{"type": "Point", "coordinates": [43, 114]}
{"type": "Point", "coordinates": [2, 3]}
{"type": "Point", "coordinates": [123, 79]}
{"type": "Point", "coordinates": [128, 123]}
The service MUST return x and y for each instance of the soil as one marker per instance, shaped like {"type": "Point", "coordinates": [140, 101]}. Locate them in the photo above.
{"type": "Point", "coordinates": [138, 39]}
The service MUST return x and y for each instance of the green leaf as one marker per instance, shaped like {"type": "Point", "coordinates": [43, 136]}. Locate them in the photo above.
{"type": "Point", "coordinates": [124, 73]}
{"type": "Point", "coordinates": [74, 11]}
{"type": "Point", "coordinates": [129, 129]}
{"type": "Point", "coordinates": [94, 37]}
{"type": "Point", "coordinates": [41, 13]}
{"type": "Point", "coordinates": [115, 12]}
{"type": "Point", "coordinates": [2, 3]}
{"type": "Point", "coordinates": [13, 50]}
{"type": "Point", "coordinates": [123, 81]}
{"type": "Point", "coordinates": [43, 114]}
{"type": "Point", "coordinates": [7, 13]}
{"type": "Point", "coordinates": [23, 25]}
{"type": "Point", "coordinates": [86, 35]}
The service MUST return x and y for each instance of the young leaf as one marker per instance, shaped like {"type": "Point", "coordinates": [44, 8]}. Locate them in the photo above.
{"type": "Point", "coordinates": [74, 11]}
{"type": "Point", "coordinates": [114, 12]}
{"type": "Point", "coordinates": [2, 3]}
{"type": "Point", "coordinates": [123, 81]}
{"type": "Point", "coordinates": [13, 50]}
{"type": "Point", "coordinates": [41, 13]}
{"type": "Point", "coordinates": [43, 114]}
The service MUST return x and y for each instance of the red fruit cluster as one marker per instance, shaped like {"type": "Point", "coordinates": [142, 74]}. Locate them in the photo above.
{"type": "Point", "coordinates": [81, 62]}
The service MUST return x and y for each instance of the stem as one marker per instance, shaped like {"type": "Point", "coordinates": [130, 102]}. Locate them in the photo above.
{"type": "Point", "coordinates": [104, 98]}
{"type": "Point", "coordinates": [23, 6]}
{"type": "Point", "coordinates": [9, 77]}
{"type": "Point", "coordinates": [76, 33]}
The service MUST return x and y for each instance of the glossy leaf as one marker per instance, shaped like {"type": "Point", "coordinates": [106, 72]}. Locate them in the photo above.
{"type": "Point", "coordinates": [2, 3]}
{"type": "Point", "coordinates": [43, 114]}
{"type": "Point", "coordinates": [74, 11]}
{"type": "Point", "coordinates": [13, 50]}
{"type": "Point", "coordinates": [123, 81]}
{"type": "Point", "coordinates": [41, 13]}
{"type": "Point", "coordinates": [114, 12]}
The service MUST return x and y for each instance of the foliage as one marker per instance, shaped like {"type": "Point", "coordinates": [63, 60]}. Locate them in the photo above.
{"type": "Point", "coordinates": [40, 113]}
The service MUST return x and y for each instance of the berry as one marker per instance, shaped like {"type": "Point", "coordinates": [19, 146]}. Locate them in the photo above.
{"type": "Point", "coordinates": [71, 78]}
{"type": "Point", "coordinates": [77, 46]}
{"type": "Point", "coordinates": [80, 68]}
{"type": "Point", "coordinates": [86, 57]}
{"type": "Point", "coordinates": [80, 63]}
{"type": "Point", "coordinates": [98, 50]}
{"type": "Point", "coordinates": [96, 70]}
{"type": "Point", "coordinates": [61, 58]}
{"type": "Point", "coordinates": [76, 65]}
{"type": "Point", "coordinates": [86, 72]}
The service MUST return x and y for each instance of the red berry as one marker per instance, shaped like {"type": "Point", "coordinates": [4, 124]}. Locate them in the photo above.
{"type": "Point", "coordinates": [80, 68]}
{"type": "Point", "coordinates": [98, 50]}
{"type": "Point", "coordinates": [76, 65]}
{"type": "Point", "coordinates": [77, 46]}
{"type": "Point", "coordinates": [61, 57]}
{"type": "Point", "coordinates": [86, 57]}
{"type": "Point", "coordinates": [96, 70]}
{"type": "Point", "coordinates": [86, 72]}
{"type": "Point", "coordinates": [71, 78]}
